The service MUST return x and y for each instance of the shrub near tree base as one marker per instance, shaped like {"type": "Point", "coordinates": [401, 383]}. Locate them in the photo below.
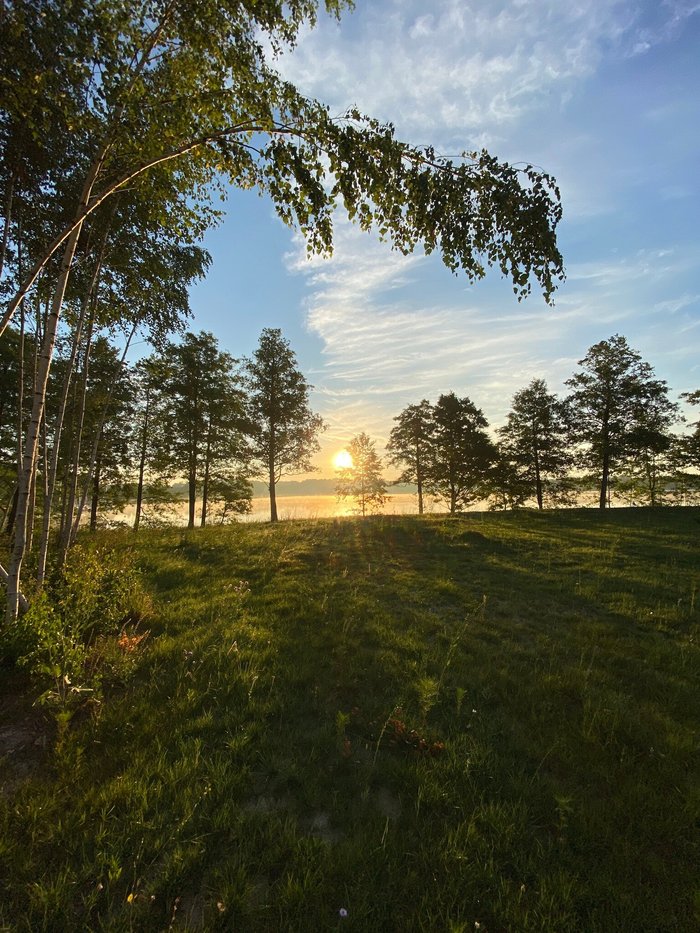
{"type": "Point", "coordinates": [74, 636]}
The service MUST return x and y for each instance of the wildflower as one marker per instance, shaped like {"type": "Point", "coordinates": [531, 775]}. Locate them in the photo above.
{"type": "Point", "coordinates": [343, 912]}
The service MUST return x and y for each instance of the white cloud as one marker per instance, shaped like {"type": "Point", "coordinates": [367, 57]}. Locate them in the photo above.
{"type": "Point", "coordinates": [386, 346]}
{"type": "Point", "coordinates": [674, 305]}
{"type": "Point", "coordinates": [465, 69]}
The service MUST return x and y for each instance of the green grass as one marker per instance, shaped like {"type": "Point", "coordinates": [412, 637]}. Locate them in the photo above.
{"type": "Point", "coordinates": [432, 723]}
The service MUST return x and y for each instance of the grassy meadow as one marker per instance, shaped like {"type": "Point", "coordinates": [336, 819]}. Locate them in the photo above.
{"type": "Point", "coordinates": [487, 723]}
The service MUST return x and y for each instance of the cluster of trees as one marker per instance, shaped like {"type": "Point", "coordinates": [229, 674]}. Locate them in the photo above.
{"type": "Point", "coordinates": [614, 429]}
{"type": "Point", "coordinates": [188, 411]}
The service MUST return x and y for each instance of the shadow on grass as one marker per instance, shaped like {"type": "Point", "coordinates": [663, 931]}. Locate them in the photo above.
{"type": "Point", "coordinates": [257, 770]}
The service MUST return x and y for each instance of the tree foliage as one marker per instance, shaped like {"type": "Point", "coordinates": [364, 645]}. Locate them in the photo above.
{"type": "Point", "coordinates": [362, 480]}
{"type": "Point", "coordinates": [621, 410]}
{"type": "Point", "coordinates": [284, 430]}
{"type": "Point", "coordinates": [462, 453]}
{"type": "Point", "coordinates": [535, 441]}
{"type": "Point", "coordinates": [409, 445]}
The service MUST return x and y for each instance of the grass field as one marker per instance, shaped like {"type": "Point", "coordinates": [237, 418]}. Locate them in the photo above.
{"type": "Point", "coordinates": [482, 723]}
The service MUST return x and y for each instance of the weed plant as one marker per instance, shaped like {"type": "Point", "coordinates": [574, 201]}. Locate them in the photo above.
{"type": "Point", "coordinates": [393, 724]}
{"type": "Point", "coordinates": [79, 630]}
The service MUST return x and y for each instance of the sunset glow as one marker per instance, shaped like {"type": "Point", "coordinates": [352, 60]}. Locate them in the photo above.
{"type": "Point", "coordinates": [342, 460]}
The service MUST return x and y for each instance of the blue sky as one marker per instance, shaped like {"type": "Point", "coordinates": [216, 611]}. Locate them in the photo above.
{"type": "Point", "coordinates": [603, 94]}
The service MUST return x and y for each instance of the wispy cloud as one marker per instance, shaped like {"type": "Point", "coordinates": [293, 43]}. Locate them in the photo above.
{"type": "Point", "coordinates": [465, 69]}
{"type": "Point", "coordinates": [385, 346]}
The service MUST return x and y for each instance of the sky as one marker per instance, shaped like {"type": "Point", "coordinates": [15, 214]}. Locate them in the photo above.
{"type": "Point", "coordinates": [602, 94]}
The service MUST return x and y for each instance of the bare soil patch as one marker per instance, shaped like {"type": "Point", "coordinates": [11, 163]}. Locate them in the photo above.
{"type": "Point", "coordinates": [26, 732]}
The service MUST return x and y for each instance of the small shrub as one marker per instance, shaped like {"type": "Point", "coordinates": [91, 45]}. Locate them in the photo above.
{"type": "Point", "coordinates": [76, 632]}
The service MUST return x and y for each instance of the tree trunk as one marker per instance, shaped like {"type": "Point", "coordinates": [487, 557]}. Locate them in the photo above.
{"type": "Point", "coordinates": [652, 476]}
{"type": "Point", "coordinates": [20, 390]}
{"type": "Point", "coordinates": [95, 447]}
{"type": "Point", "coordinates": [271, 474]}
{"type": "Point", "coordinates": [21, 599]}
{"type": "Point", "coordinates": [142, 461]}
{"type": "Point", "coordinates": [604, 480]}
{"type": "Point", "coordinates": [52, 466]}
{"type": "Point", "coordinates": [605, 466]}
{"type": "Point", "coordinates": [538, 479]}
{"type": "Point", "coordinates": [9, 195]}
{"type": "Point", "coordinates": [205, 481]}
{"type": "Point", "coordinates": [76, 446]}
{"type": "Point", "coordinates": [453, 498]}
{"type": "Point", "coordinates": [41, 324]}
{"type": "Point", "coordinates": [11, 512]}
{"type": "Point", "coordinates": [419, 481]}
{"type": "Point", "coordinates": [192, 494]}
{"type": "Point", "coordinates": [52, 469]}
{"type": "Point", "coordinates": [95, 492]}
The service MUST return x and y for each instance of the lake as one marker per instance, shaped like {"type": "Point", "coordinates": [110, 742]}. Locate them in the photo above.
{"type": "Point", "coordinates": [295, 507]}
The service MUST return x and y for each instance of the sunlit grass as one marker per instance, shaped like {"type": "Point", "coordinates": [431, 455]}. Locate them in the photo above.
{"type": "Point", "coordinates": [430, 723]}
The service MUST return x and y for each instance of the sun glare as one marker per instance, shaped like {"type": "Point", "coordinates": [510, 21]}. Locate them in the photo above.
{"type": "Point", "coordinates": [342, 460]}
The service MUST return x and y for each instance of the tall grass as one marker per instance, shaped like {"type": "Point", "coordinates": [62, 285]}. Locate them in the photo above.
{"type": "Point", "coordinates": [488, 722]}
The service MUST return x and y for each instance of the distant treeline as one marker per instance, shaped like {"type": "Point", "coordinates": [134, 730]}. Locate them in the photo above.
{"type": "Point", "coordinates": [114, 433]}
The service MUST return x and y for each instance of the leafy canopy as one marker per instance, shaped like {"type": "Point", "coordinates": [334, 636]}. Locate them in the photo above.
{"type": "Point", "coordinates": [173, 97]}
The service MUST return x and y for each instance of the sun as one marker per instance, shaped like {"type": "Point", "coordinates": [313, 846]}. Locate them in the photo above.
{"type": "Point", "coordinates": [342, 460]}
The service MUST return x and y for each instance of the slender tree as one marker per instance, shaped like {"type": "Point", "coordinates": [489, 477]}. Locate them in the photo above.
{"type": "Point", "coordinates": [147, 377]}
{"type": "Point", "coordinates": [363, 480]}
{"type": "Point", "coordinates": [535, 439]}
{"type": "Point", "coordinates": [284, 429]}
{"type": "Point", "coordinates": [619, 409]}
{"type": "Point", "coordinates": [409, 445]}
{"type": "Point", "coordinates": [684, 459]}
{"type": "Point", "coordinates": [202, 415]}
{"type": "Point", "coordinates": [462, 453]}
